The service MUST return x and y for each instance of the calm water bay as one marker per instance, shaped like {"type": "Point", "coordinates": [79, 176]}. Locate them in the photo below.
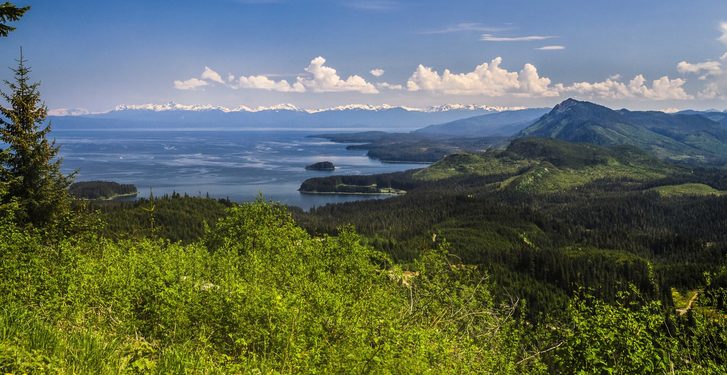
{"type": "Point", "coordinates": [234, 164]}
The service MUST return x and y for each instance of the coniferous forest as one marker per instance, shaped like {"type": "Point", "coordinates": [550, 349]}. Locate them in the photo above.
{"type": "Point", "coordinates": [540, 257]}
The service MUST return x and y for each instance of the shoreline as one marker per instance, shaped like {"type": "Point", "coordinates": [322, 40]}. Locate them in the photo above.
{"type": "Point", "coordinates": [348, 193]}
{"type": "Point", "coordinates": [115, 196]}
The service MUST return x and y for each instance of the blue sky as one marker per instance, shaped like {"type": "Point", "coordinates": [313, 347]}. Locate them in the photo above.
{"type": "Point", "coordinates": [636, 54]}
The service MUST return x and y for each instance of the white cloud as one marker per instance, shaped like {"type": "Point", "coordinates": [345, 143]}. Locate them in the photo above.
{"type": "Point", "coordinates": [709, 68]}
{"type": "Point", "coordinates": [532, 84]}
{"type": "Point", "coordinates": [325, 79]}
{"type": "Point", "coordinates": [663, 88]}
{"type": "Point", "coordinates": [389, 86]}
{"type": "Point", "coordinates": [378, 72]}
{"type": "Point", "coordinates": [317, 78]}
{"type": "Point", "coordinates": [264, 83]}
{"type": "Point", "coordinates": [491, 79]}
{"type": "Point", "coordinates": [207, 76]}
{"type": "Point", "coordinates": [211, 75]}
{"type": "Point", "coordinates": [488, 79]}
{"type": "Point", "coordinates": [190, 84]}
{"type": "Point", "coordinates": [550, 48]}
{"type": "Point", "coordinates": [723, 29]}
{"type": "Point", "coordinates": [710, 71]}
{"type": "Point", "coordinates": [466, 26]}
{"type": "Point", "coordinates": [526, 38]}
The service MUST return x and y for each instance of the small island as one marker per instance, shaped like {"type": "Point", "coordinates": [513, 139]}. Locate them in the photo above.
{"type": "Point", "coordinates": [321, 166]}
{"type": "Point", "coordinates": [101, 190]}
{"type": "Point", "coordinates": [396, 183]}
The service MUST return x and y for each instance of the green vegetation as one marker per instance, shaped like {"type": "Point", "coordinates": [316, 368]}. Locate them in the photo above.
{"type": "Point", "coordinates": [534, 165]}
{"type": "Point", "coordinates": [525, 230]}
{"type": "Point", "coordinates": [321, 166]}
{"type": "Point", "coordinates": [548, 165]}
{"type": "Point", "coordinates": [10, 13]}
{"type": "Point", "coordinates": [175, 217]}
{"type": "Point", "coordinates": [101, 190]}
{"type": "Point", "coordinates": [390, 183]}
{"type": "Point", "coordinates": [30, 168]}
{"type": "Point", "coordinates": [412, 147]}
{"type": "Point", "coordinates": [687, 189]}
{"type": "Point", "coordinates": [678, 137]}
{"type": "Point", "coordinates": [256, 294]}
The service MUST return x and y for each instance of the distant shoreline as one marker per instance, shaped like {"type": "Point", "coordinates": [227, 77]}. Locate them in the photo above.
{"type": "Point", "coordinates": [348, 193]}
{"type": "Point", "coordinates": [113, 197]}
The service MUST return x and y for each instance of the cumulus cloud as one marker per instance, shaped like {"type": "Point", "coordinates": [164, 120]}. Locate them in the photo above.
{"type": "Point", "coordinates": [532, 84]}
{"type": "Point", "coordinates": [526, 38]}
{"type": "Point", "coordinates": [317, 78]}
{"type": "Point", "coordinates": [663, 88]}
{"type": "Point", "coordinates": [207, 76]}
{"type": "Point", "coordinates": [488, 79]}
{"type": "Point", "coordinates": [377, 72]}
{"type": "Point", "coordinates": [326, 79]}
{"type": "Point", "coordinates": [389, 86]}
{"type": "Point", "coordinates": [723, 30]}
{"type": "Point", "coordinates": [709, 71]}
{"type": "Point", "coordinates": [706, 69]}
{"type": "Point", "coordinates": [190, 84]}
{"type": "Point", "coordinates": [491, 79]}
{"type": "Point", "coordinates": [265, 83]}
{"type": "Point", "coordinates": [211, 75]}
{"type": "Point", "coordinates": [550, 48]}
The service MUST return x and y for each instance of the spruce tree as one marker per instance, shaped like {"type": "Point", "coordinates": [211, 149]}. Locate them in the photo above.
{"type": "Point", "coordinates": [9, 13]}
{"type": "Point", "coordinates": [30, 166]}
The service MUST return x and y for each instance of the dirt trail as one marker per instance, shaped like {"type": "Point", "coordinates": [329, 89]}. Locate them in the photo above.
{"type": "Point", "coordinates": [689, 305]}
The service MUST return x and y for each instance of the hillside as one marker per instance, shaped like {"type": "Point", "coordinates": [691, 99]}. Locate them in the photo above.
{"type": "Point", "coordinates": [536, 165]}
{"type": "Point", "coordinates": [677, 137]}
{"type": "Point", "coordinates": [549, 165]}
{"type": "Point", "coordinates": [504, 123]}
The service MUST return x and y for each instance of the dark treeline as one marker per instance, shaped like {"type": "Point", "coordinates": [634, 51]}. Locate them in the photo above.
{"type": "Point", "coordinates": [100, 189]}
{"type": "Point", "coordinates": [174, 217]}
{"type": "Point", "coordinates": [360, 184]}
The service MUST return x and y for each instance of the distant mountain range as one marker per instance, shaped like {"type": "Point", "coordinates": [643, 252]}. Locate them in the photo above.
{"type": "Point", "coordinates": [505, 123]}
{"type": "Point", "coordinates": [679, 137]}
{"type": "Point", "coordinates": [279, 116]}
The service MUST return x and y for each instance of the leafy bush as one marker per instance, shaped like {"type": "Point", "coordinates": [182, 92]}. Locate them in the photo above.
{"type": "Point", "coordinates": [258, 294]}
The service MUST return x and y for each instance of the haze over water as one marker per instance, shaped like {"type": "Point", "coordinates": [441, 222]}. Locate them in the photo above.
{"type": "Point", "coordinates": [235, 164]}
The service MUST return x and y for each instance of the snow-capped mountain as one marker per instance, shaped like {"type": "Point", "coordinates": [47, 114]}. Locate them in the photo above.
{"type": "Point", "coordinates": [354, 116]}
{"type": "Point", "coordinates": [172, 106]}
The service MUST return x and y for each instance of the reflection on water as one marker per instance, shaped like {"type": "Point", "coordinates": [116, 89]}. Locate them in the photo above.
{"type": "Point", "coordinates": [232, 164]}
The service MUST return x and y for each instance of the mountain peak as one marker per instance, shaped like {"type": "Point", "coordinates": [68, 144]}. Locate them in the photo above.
{"type": "Point", "coordinates": [668, 135]}
{"type": "Point", "coordinates": [567, 104]}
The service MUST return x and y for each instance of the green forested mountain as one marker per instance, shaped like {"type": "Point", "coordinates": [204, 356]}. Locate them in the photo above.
{"type": "Point", "coordinates": [526, 164]}
{"type": "Point", "coordinates": [678, 137]}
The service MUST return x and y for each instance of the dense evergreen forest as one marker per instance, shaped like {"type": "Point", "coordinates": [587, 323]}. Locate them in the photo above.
{"type": "Point", "coordinates": [101, 189]}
